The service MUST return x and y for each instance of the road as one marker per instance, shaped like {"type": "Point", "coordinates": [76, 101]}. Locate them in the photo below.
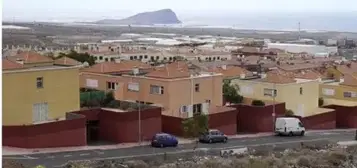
{"type": "Point", "coordinates": [57, 159]}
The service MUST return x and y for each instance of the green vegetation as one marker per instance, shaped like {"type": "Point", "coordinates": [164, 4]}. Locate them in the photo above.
{"type": "Point", "coordinates": [81, 57]}
{"type": "Point", "coordinates": [96, 99]}
{"type": "Point", "coordinates": [258, 103]}
{"type": "Point", "coordinates": [230, 92]}
{"type": "Point", "coordinates": [196, 125]}
{"type": "Point", "coordinates": [289, 112]}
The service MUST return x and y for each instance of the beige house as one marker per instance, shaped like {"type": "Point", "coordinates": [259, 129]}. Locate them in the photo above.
{"type": "Point", "coordinates": [300, 93]}
{"type": "Point", "coordinates": [173, 87]}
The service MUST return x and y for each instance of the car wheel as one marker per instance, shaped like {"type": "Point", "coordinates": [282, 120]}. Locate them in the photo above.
{"type": "Point", "coordinates": [291, 134]}
{"type": "Point", "coordinates": [302, 133]}
{"type": "Point", "coordinates": [210, 141]}
{"type": "Point", "coordinates": [161, 145]}
{"type": "Point", "coordinates": [225, 140]}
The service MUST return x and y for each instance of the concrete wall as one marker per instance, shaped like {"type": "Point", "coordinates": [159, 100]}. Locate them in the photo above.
{"type": "Point", "coordinates": [60, 90]}
{"type": "Point", "coordinates": [55, 134]}
{"type": "Point", "coordinates": [120, 127]}
{"type": "Point", "coordinates": [223, 121]}
{"type": "Point", "coordinates": [253, 119]}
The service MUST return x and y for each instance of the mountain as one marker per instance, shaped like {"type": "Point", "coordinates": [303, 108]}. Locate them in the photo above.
{"type": "Point", "coordinates": [164, 16]}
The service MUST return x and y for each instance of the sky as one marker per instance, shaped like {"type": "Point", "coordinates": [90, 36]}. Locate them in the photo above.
{"type": "Point", "coordinates": [90, 10]}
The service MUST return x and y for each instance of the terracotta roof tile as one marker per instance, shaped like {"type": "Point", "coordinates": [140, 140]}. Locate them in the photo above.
{"type": "Point", "coordinates": [171, 71]}
{"type": "Point", "coordinates": [348, 68]}
{"type": "Point", "coordinates": [274, 77]}
{"type": "Point", "coordinates": [111, 67]}
{"type": "Point", "coordinates": [67, 61]}
{"type": "Point", "coordinates": [10, 65]}
{"type": "Point", "coordinates": [31, 57]}
{"type": "Point", "coordinates": [350, 80]}
{"type": "Point", "coordinates": [308, 75]}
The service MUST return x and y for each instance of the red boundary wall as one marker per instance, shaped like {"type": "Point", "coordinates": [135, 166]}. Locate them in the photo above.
{"type": "Point", "coordinates": [223, 121]}
{"type": "Point", "coordinates": [346, 117]}
{"type": "Point", "coordinates": [253, 119]}
{"type": "Point", "coordinates": [71, 132]}
{"type": "Point", "coordinates": [117, 127]}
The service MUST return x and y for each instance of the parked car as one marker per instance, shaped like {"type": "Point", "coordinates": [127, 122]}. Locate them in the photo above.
{"type": "Point", "coordinates": [212, 136]}
{"type": "Point", "coordinates": [164, 140]}
{"type": "Point", "coordinates": [289, 126]}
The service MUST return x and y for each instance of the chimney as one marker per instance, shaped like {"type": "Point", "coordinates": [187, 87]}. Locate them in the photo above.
{"type": "Point", "coordinates": [135, 70]}
{"type": "Point", "coordinates": [242, 76]}
{"type": "Point", "coordinates": [263, 75]}
{"type": "Point", "coordinates": [224, 67]}
{"type": "Point", "coordinates": [20, 61]}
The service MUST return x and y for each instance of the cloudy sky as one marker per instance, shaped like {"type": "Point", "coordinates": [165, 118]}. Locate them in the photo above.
{"type": "Point", "coordinates": [41, 10]}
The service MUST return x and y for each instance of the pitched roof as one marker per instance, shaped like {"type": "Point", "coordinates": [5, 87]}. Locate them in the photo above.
{"type": "Point", "coordinates": [275, 77]}
{"type": "Point", "coordinates": [231, 71]}
{"type": "Point", "coordinates": [171, 71]}
{"type": "Point", "coordinates": [10, 65]}
{"type": "Point", "coordinates": [308, 74]}
{"type": "Point", "coordinates": [111, 67]}
{"type": "Point", "coordinates": [67, 61]}
{"type": "Point", "coordinates": [31, 57]}
{"type": "Point", "coordinates": [348, 68]}
{"type": "Point", "coordinates": [350, 80]}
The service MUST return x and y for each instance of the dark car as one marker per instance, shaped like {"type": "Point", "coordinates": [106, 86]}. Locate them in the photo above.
{"type": "Point", "coordinates": [212, 136]}
{"type": "Point", "coordinates": [164, 140]}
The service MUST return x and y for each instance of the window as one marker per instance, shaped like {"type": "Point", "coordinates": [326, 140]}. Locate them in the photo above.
{"type": "Point", "coordinates": [112, 85]}
{"type": "Point", "coordinates": [135, 57]}
{"type": "Point", "coordinates": [154, 89]}
{"type": "Point", "coordinates": [100, 58]}
{"type": "Point", "coordinates": [146, 56]}
{"type": "Point", "coordinates": [208, 101]}
{"type": "Point", "coordinates": [112, 59]}
{"type": "Point", "coordinates": [91, 83]}
{"type": "Point", "coordinates": [349, 94]}
{"type": "Point", "coordinates": [183, 109]}
{"type": "Point", "coordinates": [106, 59]}
{"type": "Point", "coordinates": [131, 57]}
{"type": "Point", "coordinates": [157, 57]}
{"type": "Point", "coordinates": [301, 91]}
{"type": "Point", "coordinates": [133, 87]}
{"type": "Point", "coordinates": [197, 108]}
{"type": "Point", "coordinates": [270, 92]}
{"type": "Point", "coordinates": [39, 82]}
{"type": "Point", "coordinates": [197, 87]}
{"type": "Point", "coordinates": [140, 57]}
{"type": "Point", "coordinates": [328, 92]}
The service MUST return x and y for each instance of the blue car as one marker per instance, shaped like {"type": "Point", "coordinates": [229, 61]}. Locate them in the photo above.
{"type": "Point", "coordinates": [164, 140]}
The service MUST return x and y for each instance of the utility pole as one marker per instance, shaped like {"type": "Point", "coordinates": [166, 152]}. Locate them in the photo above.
{"type": "Point", "coordinates": [274, 114]}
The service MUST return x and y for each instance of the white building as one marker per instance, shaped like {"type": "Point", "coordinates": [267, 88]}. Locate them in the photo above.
{"type": "Point", "coordinates": [299, 48]}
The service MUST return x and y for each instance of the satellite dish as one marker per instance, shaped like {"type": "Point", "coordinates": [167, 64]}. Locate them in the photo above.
{"type": "Point", "coordinates": [85, 64]}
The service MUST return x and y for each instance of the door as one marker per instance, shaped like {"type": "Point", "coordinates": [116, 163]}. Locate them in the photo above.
{"type": "Point", "coordinates": [39, 112]}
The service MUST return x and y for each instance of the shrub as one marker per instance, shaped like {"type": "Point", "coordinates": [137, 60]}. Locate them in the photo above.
{"type": "Point", "coordinates": [230, 92]}
{"type": "Point", "coordinates": [194, 126]}
{"type": "Point", "coordinates": [258, 103]}
{"type": "Point", "coordinates": [289, 112]}
{"type": "Point", "coordinates": [304, 161]}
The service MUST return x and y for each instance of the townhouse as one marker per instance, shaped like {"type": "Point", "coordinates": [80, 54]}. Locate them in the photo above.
{"type": "Point", "coordinates": [36, 91]}
{"type": "Point", "coordinates": [180, 92]}
{"type": "Point", "coordinates": [299, 91]}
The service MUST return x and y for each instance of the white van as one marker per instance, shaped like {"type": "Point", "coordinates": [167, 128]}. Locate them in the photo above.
{"type": "Point", "coordinates": [289, 126]}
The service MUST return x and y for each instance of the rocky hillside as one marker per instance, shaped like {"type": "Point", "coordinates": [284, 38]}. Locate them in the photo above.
{"type": "Point", "coordinates": [164, 16]}
{"type": "Point", "coordinates": [305, 157]}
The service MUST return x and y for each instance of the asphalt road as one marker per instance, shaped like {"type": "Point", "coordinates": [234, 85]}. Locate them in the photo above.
{"type": "Point", "coordinates": [57, 159]}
